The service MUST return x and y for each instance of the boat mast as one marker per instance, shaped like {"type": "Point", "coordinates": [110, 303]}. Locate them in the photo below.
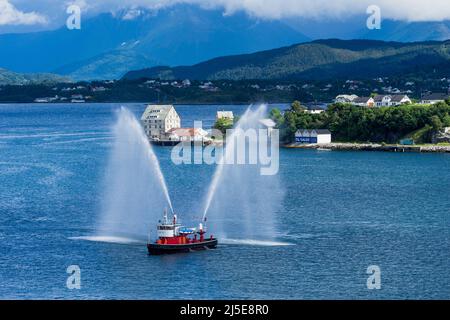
{"type": "Point", "coordinates": [166, 221]}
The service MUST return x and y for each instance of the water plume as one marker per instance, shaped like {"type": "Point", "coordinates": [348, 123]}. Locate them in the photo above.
{"type": "Point", "coordinates": [135, 192]}
{"type": "Point", "coordinates": [242, 203]}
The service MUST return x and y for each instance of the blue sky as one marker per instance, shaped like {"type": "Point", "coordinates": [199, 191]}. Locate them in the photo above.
{"type": "Point", "coordinates": [34, 15]}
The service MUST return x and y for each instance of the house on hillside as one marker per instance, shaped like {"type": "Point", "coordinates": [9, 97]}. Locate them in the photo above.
{"type": "Point", "coordinates": [224, 115]}
{"type": "Point", "coordinates": [382, 100]}
{"type": "Point", "coordinates": [157, 120]}
{"type": "Point", "coordinates": [345, 98]}
{"type": "Point", "coordinates": [313, 136]}
{"type": "Point", "coordinates": [364, 102]}
{"type": "Point", "coordinates": [399, 99]}
{"type": "Point", "coordinates": [391, 100]}
{"type": "Point", "coordinates": [433, 98]}
{"type": "Point", "coordinates": [315, 111]}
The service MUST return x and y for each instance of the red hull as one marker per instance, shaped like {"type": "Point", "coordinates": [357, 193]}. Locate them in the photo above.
{"type": "Point", "coordinates": [158, 249]}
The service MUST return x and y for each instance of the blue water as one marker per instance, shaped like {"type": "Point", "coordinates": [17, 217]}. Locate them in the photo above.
{"type": "Point", "coordinates": [342, 212]}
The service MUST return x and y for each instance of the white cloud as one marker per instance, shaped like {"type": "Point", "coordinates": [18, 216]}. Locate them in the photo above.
{"type": "Point", "coordinates": [405, 10]}
{"type": "Point", "coordinates": [10, 15]}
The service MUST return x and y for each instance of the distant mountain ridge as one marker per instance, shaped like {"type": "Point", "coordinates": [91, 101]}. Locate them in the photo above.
{"type": "Point", "coordinates": [12, 78]}
{"type": "Point", "coordinates": [110, 44]}
{"type": "Point", "coordinates": [318, 60]}
{"type": "Point", "coordinates": [355, 28]}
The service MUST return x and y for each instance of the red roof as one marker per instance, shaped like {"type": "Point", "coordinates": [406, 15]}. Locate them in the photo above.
{"type": "Point", "coordinates": [187, 132]}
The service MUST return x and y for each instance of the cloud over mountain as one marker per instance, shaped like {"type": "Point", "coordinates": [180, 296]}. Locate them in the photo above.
{"type": "Point", "coordinates": [405, 10]}
{"type": "Point", "coordinates": [10, 15]}
{"type": "Point", "coordinates": [402, 10]}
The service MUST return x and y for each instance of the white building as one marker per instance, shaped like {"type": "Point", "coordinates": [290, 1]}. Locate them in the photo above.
{"type": "Point", "coordinates": [399, 99]}
{"type": "Point", "coordinates": [433, 98]}
{"type": "Point", "coordinates": [187, 134]}
{"type": "Point", "coordinates": [224, 115]}
{"type": "Point", "coordinates": [159, 119]}
{"type": "Point", "coordinates": [391, 100]}
{"type": "Point", "coordinates": [314, 136]}
{"type": "Point", "coordinates": [364, 102]}
{"type": "Point", "coordinates": [345, 98]}
{"type": "Point", "coordinates": [315, 111]}
{"type": "Point", "coordinates": [382, 101]}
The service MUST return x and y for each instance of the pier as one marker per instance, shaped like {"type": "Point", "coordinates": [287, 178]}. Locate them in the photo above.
{"type": "Point", "coordinates": [371, 147]}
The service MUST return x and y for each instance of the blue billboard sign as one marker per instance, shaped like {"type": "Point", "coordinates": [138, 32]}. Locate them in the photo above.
{"type": "Point", "coordinates": [306, 139]}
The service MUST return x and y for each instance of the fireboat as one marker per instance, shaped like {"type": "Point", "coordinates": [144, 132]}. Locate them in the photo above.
{"type": "Point", "coordinates": [175, 238]}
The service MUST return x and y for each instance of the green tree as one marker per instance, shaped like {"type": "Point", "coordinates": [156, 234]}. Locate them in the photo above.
{"type": "Point", "coordinates": [297, 107]}
{"type": "Point", "coordinates": [223, 124]}
{"type": "Point", "coordinates": [276, 115]}
{"type": "Point", "coordinates": [446, 120]}
{"type": "Point", "coordinates": [436, 123]}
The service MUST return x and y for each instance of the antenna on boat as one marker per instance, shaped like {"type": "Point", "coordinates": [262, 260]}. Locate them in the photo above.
{"type": "Point", "coordinates": [165, 216]}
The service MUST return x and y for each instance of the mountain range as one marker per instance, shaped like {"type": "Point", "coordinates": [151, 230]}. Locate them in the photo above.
{"type": "Point", "coordinates": [110, 44]}
{"type": "Point", "coordinates": [13, 78]}
{"type": "Point", "coordinates": [318, 60]}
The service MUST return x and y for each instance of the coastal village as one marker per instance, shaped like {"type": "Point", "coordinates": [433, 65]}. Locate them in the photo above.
{"type": "Point", "coordinates": [224, 91]}
{"type": "Point", "coordinates": [162, 124]}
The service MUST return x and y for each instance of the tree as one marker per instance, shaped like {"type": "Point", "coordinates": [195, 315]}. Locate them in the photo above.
{"type": "Point", "coordinates": [352, 123]}
{"type": "Point", "coordinates": [297, 107]}
{"type": "Point", "coordinates": [436, 123]}
{"type": "Point", "coordinates": [223, 124]}
{"type": "Point", "coordinates": [446, 120]}
{"type": "Point", "coordinates": [276, 115]}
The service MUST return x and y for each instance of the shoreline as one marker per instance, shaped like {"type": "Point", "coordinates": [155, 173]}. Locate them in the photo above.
{"type": "Point", "coordinates": [145, 103]}
{"type": "Point", "coordinates": [344, 146]}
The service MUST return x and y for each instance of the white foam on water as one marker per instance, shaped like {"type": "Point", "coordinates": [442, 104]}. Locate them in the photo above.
{"type": "Point", "coordinates": [251, 242]}
{"type": "Point", "coordinates": [78, 141]}
{"type": "Point", "coordinates": [48, 135]}
{"type": "Point", "coordinates": [109, 239]}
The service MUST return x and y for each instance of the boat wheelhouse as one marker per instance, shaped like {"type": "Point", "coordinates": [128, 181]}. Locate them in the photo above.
{"type": "Point", "coordinates": [175, 238]}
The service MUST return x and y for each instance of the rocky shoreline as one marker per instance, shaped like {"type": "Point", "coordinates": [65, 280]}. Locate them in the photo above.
{"type": "Point", "coordinates": [371, 147]}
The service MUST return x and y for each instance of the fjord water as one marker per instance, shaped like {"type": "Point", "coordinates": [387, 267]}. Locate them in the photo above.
{"type": "Point", "coordinates": [342, 211]}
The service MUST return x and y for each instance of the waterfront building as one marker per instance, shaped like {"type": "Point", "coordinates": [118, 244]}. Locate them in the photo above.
{"type": "Point", "coordinates": [158, 120]}
{"type": "Point", "coordinates": [407, 142]}
{"type": "Point", "coordinates": [313, 136]}
{"type": "Point", "coordinates": [187, 134]}
{"type": "Point", "coordinates": [224, 115]}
